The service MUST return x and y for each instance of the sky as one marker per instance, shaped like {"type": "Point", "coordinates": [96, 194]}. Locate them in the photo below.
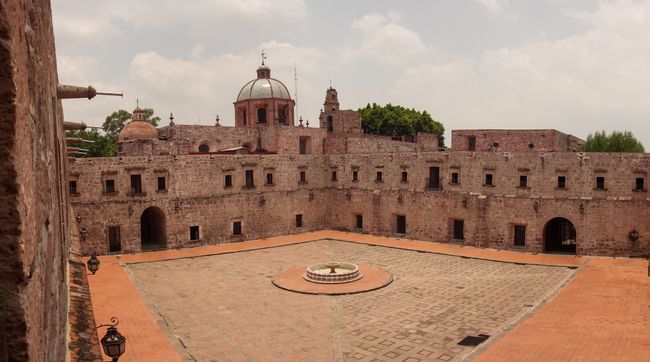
{"type": "Point", "coordinates": [577, 66]}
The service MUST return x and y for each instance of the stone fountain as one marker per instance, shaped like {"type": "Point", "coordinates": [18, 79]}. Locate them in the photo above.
{"type": "Point", "coordinates": [332, 273]}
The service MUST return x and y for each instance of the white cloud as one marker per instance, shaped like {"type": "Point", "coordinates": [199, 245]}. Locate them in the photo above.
{"type": "Point", "coordinates": [383, 39]}
{"type": "Point", "coordinates": [494, 6]}
{"type": "Point", "coordinates": [163, 13]}
{"type": "Point", "coordinates": [201, 86]}
{"type": "Point", "coordinates": [578, 84]}
{"type": "Point", "coordinates": [77, 27]}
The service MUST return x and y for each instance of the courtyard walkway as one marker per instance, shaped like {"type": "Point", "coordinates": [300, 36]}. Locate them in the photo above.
{"type": "Point", "coordinates": [602, 314]}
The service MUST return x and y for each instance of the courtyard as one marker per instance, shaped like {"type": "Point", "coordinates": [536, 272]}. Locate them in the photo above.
{"type": "Point", "coordinates": [218, 303]}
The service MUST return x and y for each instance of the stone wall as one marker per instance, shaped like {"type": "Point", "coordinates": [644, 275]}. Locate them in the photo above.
{"type": "Point", "coordinates": [387, 184]}
{"type": "Point", "coordinates": [33, 232]}
{"type": "Point", "coordinates": [196, 195]}
{"type": "Point", "coordinates": [489, 212]}
{"type": "Point", "coordinates": [530, 140]}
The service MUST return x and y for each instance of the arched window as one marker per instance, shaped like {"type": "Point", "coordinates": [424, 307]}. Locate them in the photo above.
{"type": "Point", "coordinates": [203, 148]}
{"type": "Point", "coordinates": [330, 124]}
{"type": "Point", "coordinates": [282, 115]}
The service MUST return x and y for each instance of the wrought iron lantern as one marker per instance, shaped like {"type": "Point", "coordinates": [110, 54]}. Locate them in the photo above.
{"type": "Point", "coordinates": [78, 218]}
{"type": "Point", "coordinates": [83, 233]}
{"type": "Point", "coordinates": [113, 343]}
{"type": "Point", "coordinates": [93, 264]}
{"type": "Point", "coordinates": [633, 235]}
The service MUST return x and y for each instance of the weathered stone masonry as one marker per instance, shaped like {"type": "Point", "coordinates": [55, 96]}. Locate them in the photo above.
{"type": "Point", "coordinates": [196, 196]}
{"type": "Point", "coordinates": [34, 239]}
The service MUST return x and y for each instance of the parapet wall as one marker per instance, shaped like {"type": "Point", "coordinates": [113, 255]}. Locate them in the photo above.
{"type": "Point", "coordinates": [33, 223]}
{"type": "Point", "coordinates": [544, 140]}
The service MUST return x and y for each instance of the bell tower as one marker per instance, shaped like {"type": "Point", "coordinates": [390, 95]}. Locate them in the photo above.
{"type": "Point", "coordinates": [333, 119]}
{"type": "Point", "coordinates": [331, 100]}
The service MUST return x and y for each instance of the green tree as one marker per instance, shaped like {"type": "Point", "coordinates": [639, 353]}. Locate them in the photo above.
{"type": "Point", "coordinates": [617, 141]}
{"type": "Point", "coordinates": [116, 121]}
{"type": "Point", "coordinates": [105, 143]}
{"type": "Point", "coordinates": [102, 146]}
{"type": "Point", "coordinates": [390, 120]}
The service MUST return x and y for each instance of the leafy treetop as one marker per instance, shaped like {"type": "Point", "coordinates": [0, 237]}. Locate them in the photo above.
{"type": "Point", "coordinates": [395, 120]}
{"type": "Point", "coordinates": [616, 141]}
{"type": "Point", "coordinates": [105, 143]}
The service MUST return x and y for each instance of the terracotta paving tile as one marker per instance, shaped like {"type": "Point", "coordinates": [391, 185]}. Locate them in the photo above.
{"type": "Point", "coordinates": [113, 294]}
{"type": "Point", "coordinates": [602, 314]}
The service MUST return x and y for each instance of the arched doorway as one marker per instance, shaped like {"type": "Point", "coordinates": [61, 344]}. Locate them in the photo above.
{"type": "Point", "coordinates": [153, 232]}
{"type": "Point", "coordinates": [330, 124]}
{"type": "Point", "coordinates": [559, 236]}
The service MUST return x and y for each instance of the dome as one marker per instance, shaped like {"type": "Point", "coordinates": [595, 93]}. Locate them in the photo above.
{"type": "Point", "coordinates": [137, 130]}
{"type": "Point", "coordinates": [263, 87]}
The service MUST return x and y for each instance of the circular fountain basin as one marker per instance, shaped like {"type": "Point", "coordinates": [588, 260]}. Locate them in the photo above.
{"type": "Point", "coordinates": [332, 273]}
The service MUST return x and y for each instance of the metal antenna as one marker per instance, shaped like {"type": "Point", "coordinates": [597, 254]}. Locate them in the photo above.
{"type": "Point", "coordinates": [295, 85]}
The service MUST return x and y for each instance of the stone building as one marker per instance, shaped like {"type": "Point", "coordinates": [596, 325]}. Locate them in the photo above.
{"type": "Point", "coordinates": [529, 190]}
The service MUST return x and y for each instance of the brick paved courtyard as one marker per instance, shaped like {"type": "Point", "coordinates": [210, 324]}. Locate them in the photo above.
{"type": "Point", "coordinates": [225, 308]}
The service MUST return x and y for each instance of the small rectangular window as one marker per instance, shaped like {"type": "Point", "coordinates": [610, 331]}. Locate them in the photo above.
{"type": "Point", "coordinates": [136, 184]}
{"type": "Point", "coordinates": [303, 145]}
{"type": "Point", "coordinates": [114, 239]}
{"type": "Point", "coordinates": [73, 187]}
{"type": "Point", "coordinates": [261, 115]}
{"type": "Point", "coordinates": [355, 175]}
{"type": "Point", "coordinates": [520, 235]}
{"type": "Point", "coordinates": [162, 183]}
{"type": "Point", "coordinates": [600, 182]}
{"type": "Point", "coordinates": [459, 230]}
{"type": "Point", "coordinates": [639, 185]}
{"type": "Point", "coordinates": [303, 177]}
{"type": "Point", "coordinates": [401, 224]}
{"type": "Point", "coordinates": [523, 181]}
{"type": "Point", "coordinates": [269, 179]}
{"type": "Point", "coordinates": [299, 220]}
{"type": "Point", "coordinates": [359, 221]}
{"type": "Point", "coordinates": [380, 177]}
{"type": "Point", "coordinates": [488, 179]}
{"type": "Point", "coordinates": [194, 233]}
{"type": "Point", "coordinates": [455, 178]}
{"type": "Point", "coordinates": [227, 181]}
{"type": "Point", "coordinates": [561, 182]}
{"type": "Point", "coordinates": [333, 175]}
{"type": "Point", "coordinates": [405, 176]}
{"type": "Point", "coordinates": [236, 228]}
{"type": "Point", "coordinates": [249, 178]}
{"type": "Point", "coordinates": [109, 186]}
{"type": "Point", "coordinates": [434, 178]}
{"type": "Point", "coordinates": [471, 143]}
